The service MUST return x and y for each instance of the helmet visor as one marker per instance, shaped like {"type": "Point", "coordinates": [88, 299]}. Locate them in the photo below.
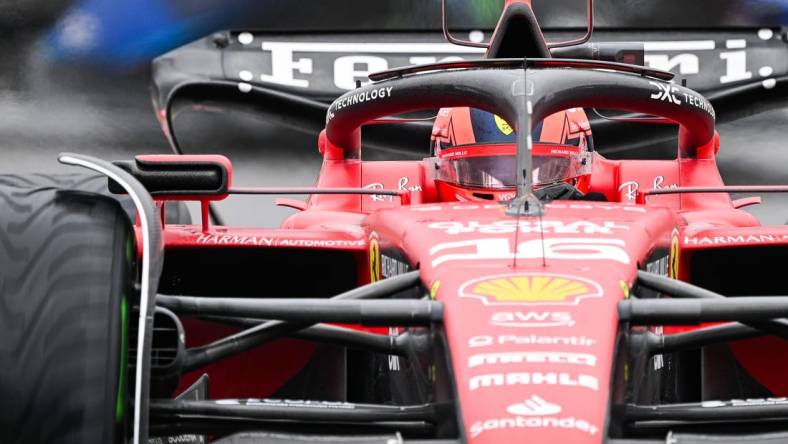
{"type": "Point", "coordinates": [494, 166]}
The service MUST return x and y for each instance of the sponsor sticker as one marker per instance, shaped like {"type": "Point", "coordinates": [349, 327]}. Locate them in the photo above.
{"type": "Point", "coordinates": [737, 239]}
{"type": "Point", "coordinates": [227, 239]}
{"type": "Point", "coordinates": [290, 403]}
{"type": "Point", "coordinates": [631, 188]}
{"type": "Point", "coordinates": [532, 357]}
{"type": "Point", "coordinates": [530, 289]}
{"type": "Point", "coordinates": [750, 402]}
{"type": "Point", "coordinates": [534, 406]}
{"type": "Point", "coordinates": [563, 206]}
{"type": "Point", "coordinates": [390, 266]}
{"type": "Point", "coordinates": [658, 266]}
{"type": "Point", "coordinates": [526, 226]}
{"type": "Point", "coordinates": [486, 341]}
{"type": "Point", "coordinates": [666, 92]}
{"type": "Point", "coordinates": [581, 249]}
{"type": "Point", "coordinates": [361, 97]}
{"type": "Point", "coordinates": [532, 319]}
{"type": "Point", "coordinates": [532, 413]}
{"type": "Point", "coordinates": [402, 185]}
{"type": "Point", "coordinates": [511, 379]}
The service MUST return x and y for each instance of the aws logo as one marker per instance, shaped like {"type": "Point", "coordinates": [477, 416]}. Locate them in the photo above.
{"type": "Point", "coordinates": [530, 289]}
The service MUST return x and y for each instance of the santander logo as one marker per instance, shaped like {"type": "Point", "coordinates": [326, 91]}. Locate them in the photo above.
{"type": "Point", "coordinates": [534, 406]}
{"type": "Point", "coordinates": [533, 413]}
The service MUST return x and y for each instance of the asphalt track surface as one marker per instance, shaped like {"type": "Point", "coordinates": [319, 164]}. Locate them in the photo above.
{"type": "Point", "coordinates": [46, 111]}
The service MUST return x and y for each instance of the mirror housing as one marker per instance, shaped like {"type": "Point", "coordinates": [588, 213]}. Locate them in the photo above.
{"type": "Point", "coordinates": [179, 177]}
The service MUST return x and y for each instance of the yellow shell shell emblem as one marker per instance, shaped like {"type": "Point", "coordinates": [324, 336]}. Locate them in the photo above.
{"type": "Point", "coordinates": [503, 126]}
{"type": "Point", "coordinates": [530, 289]}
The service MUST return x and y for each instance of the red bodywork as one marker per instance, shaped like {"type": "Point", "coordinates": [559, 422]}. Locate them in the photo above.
{"type": "Point", "coordinates": [531, 335]}
{"type": "Point", "coordinates": [530, 303]}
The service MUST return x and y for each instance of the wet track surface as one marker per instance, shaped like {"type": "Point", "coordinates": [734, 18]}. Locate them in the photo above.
{"type": "Point", "coordinates": [46, 111]}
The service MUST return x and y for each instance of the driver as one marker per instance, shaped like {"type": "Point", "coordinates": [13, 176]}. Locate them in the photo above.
{"type": "Point", "coordinates": [476, 152]}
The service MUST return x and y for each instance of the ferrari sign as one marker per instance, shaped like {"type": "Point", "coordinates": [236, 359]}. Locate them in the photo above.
{"type": "Point", "coordinates": [374, 260]}
{"type": "Point", "coordinates": [530, 289]}
{"type": "Point", "coordinates": [327, 65]}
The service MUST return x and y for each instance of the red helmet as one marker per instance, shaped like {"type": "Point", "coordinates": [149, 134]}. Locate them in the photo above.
{"type": "Point", "coordinates": [476, 153]}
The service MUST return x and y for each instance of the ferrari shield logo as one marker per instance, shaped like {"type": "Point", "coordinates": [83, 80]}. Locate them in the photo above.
{"type": "Point", "coordinates": [374, 260]}
{"type": "Point", "coordinates": [530, 289]}
{"type": "Point", "coordinates": [673, 269]}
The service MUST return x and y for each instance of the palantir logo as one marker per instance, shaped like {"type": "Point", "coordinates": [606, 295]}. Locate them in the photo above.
{"type": "Point", "coordinates": [665, 91]}
{"type": "Point", "coordinates": [534, 406]}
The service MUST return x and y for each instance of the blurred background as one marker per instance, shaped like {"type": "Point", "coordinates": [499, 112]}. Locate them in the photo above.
{"type": "Point", "coordinates": [75, 76]}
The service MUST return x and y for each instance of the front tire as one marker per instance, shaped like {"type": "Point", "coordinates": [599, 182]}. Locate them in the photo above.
{"type": "Point", "coordinates": [67, 261]}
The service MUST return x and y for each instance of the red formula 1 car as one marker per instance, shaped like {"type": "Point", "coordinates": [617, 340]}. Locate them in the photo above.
{"type": "Point", "coordinates": [517, 286]}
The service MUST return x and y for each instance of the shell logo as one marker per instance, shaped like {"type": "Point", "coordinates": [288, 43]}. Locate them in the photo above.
{"type": "Point", "coordinates": [530, 289]}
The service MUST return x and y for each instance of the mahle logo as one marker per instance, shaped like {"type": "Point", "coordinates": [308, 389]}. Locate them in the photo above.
{"type": "Point", "coordinates": [530, 289]}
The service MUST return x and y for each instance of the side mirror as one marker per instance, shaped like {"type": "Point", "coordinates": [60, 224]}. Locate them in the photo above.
{"type": "Point", "coordinates": [180, 177]}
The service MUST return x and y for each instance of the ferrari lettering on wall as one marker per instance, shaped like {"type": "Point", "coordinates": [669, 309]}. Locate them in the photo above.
{"type": "Point", "coordinates": [551, 248]}
{"type": "Point", "coordinates": [346, 62]}
{"type": "Point", "coordinates": [526, 226]}
{"type": "Point", "coordinates": [565, 379]}
{"type": "Point", "coordinates": [530, 289]}
{"type": "Point", "coordinates": [331, 65]}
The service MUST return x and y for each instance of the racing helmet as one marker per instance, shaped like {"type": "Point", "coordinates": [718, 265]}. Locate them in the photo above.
{"type": "Point", "coordinates": [476, 151]}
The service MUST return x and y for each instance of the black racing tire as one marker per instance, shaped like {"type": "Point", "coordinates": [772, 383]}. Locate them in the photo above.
{"type": "Point", "coordinates": [67, 272]}
{"type": "Point", "coordinates": [174, 212]}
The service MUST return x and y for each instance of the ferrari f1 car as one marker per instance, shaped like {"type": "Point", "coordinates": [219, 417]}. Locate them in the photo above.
{"type": "Point", "coordinates": [522, 290]}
